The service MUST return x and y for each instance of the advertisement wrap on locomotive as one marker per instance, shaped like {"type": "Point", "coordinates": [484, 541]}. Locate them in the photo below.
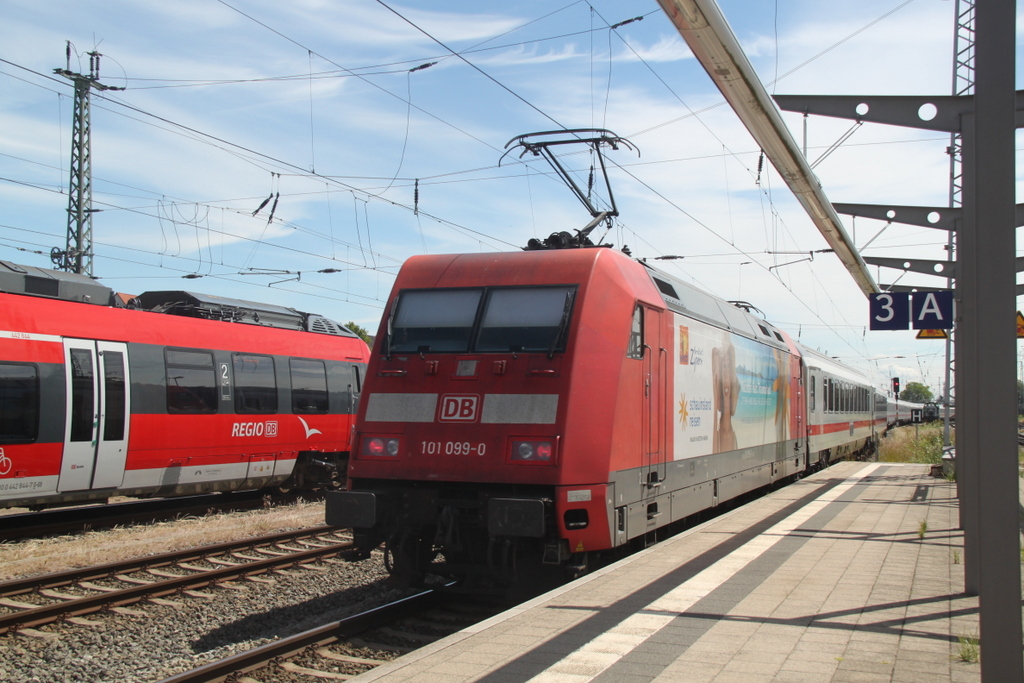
{"type": "Point", "coordinates": [533, 408]}
{"type": "Point", "coordinates": [178, 393]}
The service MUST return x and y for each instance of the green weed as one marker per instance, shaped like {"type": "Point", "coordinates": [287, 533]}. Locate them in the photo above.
{"type": "Point", "coordinates": [968, 648]}
{"type": "Point", "coordinates": [922, 527]}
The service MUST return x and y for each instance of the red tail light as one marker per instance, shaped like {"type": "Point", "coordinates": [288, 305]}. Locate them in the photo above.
{"type": "Point", "coordinates": [533, 451]}
{"type": "Point", "coordinates": [385, 446]}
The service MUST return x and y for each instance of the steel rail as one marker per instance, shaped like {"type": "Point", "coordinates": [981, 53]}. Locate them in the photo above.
{"type": "Point", "coordinates": [71, 576]}
{"type": "Point", "coordinates": [44, 614]}
{"type": "Point", "coordinates": [245, 662]}
{"type": "Point", "coordinates": [93, 515]}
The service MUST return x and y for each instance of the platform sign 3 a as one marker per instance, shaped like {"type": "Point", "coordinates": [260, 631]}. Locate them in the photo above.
{"type": "Point", "coordinates": [928, 310]}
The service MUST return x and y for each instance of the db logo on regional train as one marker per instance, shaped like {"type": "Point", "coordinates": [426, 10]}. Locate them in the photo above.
{"type": "Point", "coordinates": [458, 408]}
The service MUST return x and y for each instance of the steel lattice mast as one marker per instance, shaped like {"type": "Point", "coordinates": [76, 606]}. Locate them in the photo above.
{"type": "Point", "coordinates": [76, 257]}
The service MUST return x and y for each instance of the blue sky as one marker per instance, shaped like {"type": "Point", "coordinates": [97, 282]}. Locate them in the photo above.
{"type": "Point", "coordinates": [227, 102]}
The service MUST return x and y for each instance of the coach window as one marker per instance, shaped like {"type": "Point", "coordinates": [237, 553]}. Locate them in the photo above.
{"type": "Point", "coordinates": [636, 335]}
{"type": "Point", "coordinates": [255, 387]}
{"type": "Point", "coordinates": [309, 386]}
{"type": "Point", "coordinates": [814, 391]}
{"type": "Point", "coordinates": [19, 403]}
{"type": "Point", "coordinates": [81, 395]}
{"type": "Point", "coordinates": [114, 395]}
{"type": "Point", "coordinates": [191, 382]}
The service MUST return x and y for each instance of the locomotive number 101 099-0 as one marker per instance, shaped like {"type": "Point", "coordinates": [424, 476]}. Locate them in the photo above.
{"type": "Point", "coordinates": [452, 448]}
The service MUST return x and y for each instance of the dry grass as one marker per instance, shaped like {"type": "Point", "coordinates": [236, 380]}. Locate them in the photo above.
{"type": "Point", "coordinates": [902, 444]}
{"type": "Point", "coordinates": [41, 556]}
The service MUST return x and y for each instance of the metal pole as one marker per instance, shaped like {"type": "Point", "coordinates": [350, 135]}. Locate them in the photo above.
{"type": "Point", "coordinates": [986, 387]}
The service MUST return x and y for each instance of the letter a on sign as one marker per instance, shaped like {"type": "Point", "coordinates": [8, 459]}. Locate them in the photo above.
{"type": "Point", "coordinates": [932, 310]}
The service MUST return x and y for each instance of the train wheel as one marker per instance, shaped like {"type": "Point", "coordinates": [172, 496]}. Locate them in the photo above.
{"type": "Point", "coordinates": [824, 458]}
{"type": "Point", "coordinates": [406, 556]}
{"type": "Point", "coordinates": [577, 566]}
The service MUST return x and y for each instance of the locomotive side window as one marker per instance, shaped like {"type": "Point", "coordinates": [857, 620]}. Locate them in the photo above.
{"type": "Point", "coordinates": [309, 386]}
{"type": "Point", "coordinates": [255, 387]}
{"type": "Point", "coordinates": [528, 319]}
{"type": "Point", "coordinates": [81, 395]}
{"type": "Point", "coordinates": [435, 320]}
{"type": "Point", "coordinates": [19, 403]}
{"type": "Point", "coordinates": [191, 382]}
{"type": "Point", "coordinates": [635, 349]}
{"type": "Point", "coordinates": [114, 395]}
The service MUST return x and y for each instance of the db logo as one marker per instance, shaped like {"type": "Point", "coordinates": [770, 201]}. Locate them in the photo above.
{"type": "Point", "coordinates": [458, 408]}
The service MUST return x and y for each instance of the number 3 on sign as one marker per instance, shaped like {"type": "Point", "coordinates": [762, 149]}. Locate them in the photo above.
{"type": "Point", "coordinates": [890, 311]}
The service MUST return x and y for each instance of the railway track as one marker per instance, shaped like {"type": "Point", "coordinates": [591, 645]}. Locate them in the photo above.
{"type": "Point", "coordinates": [351, 646]}
{"type": "Point", "coordinates": [69, 596]}
{"type": "Point", "coordinates": [107, 515]}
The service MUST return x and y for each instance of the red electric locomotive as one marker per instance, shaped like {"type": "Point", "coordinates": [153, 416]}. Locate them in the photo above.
{"type": "Point", "coordinates": [177, 393]}
{"type": "Point", "coordinates": [531, 408]}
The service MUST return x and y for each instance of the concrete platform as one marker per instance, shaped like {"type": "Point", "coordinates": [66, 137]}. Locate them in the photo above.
{"type": "Point", "coordinates": [853, 574]}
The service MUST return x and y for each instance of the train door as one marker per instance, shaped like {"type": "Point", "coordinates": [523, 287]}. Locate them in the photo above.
{"type": "Point", "coordinates": [655, 384]}
{"type": "Point", "coordinates": [800, 407]}
{"type": "Point", "coordinates": [97, 405]}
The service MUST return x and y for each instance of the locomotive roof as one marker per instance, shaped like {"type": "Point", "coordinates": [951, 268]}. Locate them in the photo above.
{"type": "Point", "coordinates": [684, 298]}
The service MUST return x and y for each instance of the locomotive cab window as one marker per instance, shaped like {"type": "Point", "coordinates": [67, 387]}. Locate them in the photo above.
{"type": "Point", "coordinates": [309, 386]}
{"type": "Point", "coordinates": [525, 319]}
{"type": "Point", "coordinates": [635, 349]}
{"type": "Point", "coordinates": [19, 403]}
{"type": "Point", "coordinates": [191, 382]}
{"type": "Point", "coordinates": [255, 386]}
{"type": "Point", "coordinates": [498, 320]}
{"type": "Point", "coordinates": [434, 320]}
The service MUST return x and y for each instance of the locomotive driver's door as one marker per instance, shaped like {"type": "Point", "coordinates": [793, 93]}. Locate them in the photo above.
{"type": "Point", "coordinates": [655, 383]}
{"type": "Point", "coordinates": [97, 406]}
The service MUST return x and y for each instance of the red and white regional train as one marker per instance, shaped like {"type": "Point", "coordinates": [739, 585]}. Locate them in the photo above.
{"type": "Point", "coordinates": [173, 394]}
{"type": "Point", "coordinates": [535, 407]}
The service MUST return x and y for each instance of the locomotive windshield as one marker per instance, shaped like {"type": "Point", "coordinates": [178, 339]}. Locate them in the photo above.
{"type": "Point", "coordinates": [511, 319]}
{"type": "Point", "coordinates": [439, 320]}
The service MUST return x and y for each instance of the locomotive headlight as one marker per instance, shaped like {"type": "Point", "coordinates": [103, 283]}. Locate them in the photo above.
{"type": "Point", "coordinates": [380, 446]}
{"type": "Point", "coordinates": [532, 451]}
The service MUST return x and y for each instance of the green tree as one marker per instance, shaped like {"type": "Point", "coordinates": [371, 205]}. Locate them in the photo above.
{"type": "Point", "coordinates": [361, 331]}
{"type": "Point", "coordinates": [915, 392]}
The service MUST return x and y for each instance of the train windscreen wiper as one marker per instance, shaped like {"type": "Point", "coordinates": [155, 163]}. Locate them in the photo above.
{"type": "Point", "coordinates": [562, 324]}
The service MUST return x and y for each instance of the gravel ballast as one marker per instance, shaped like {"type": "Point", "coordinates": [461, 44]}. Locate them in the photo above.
{"type": "Point", "coordinates": [166, 639]}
